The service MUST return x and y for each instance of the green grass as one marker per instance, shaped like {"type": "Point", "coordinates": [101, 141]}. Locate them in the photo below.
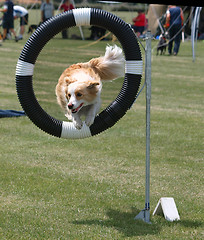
{"type": "Point", "coordinates": [93, 188]}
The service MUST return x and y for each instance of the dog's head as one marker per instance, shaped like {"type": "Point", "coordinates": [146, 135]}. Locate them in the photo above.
{"type": "Point", "coordinates": [79, 94]}
{"type": "Point", "coordinates": [81, 88]}
{"type": "Point", "coordinates": [162, 41]}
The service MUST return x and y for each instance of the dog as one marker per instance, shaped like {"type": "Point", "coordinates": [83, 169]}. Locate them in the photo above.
{"type": "Point", "coordinates": [162, 44]}
{"type": "Point", "coordinates": [33, 27]}
{"type": "Point", "coordinates": [79, 87]}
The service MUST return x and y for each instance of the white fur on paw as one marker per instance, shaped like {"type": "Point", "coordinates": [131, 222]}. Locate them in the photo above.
{"type": "Point", "coordinates": [78, 125]}
{"type": "Point", "coordinates": [68, 116]}
{"type": "Point", "coordinates": [89, 120]}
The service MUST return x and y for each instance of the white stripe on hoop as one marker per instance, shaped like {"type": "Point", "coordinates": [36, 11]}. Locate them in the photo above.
{"type": "Point", "coordinates": [134, 67]}
{"type": "Point", "coordinates": [69, 131]}
{"type": "Point", "coordinates": [24, 68]}
{"type": "Point", "coordinates": [82, 16]}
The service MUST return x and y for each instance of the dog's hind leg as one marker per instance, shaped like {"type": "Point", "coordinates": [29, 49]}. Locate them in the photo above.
{"type": "Point", "coordinates": [164, 50]}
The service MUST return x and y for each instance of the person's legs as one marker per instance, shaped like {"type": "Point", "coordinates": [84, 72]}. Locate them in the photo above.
{"type": "Point", "coordinates": [23, 22]}
{"type": "Point", "coordinates": [135, 28]}
{"type": "Point", "coordinates": [141, 29]}
{"type": "Point", "coordinates": [22, 30]}
{"type": "Point", "coordinates": [64, 34]}
{"type": "Point", "coordinates": [177, 40]}
{"type": "Point", "coordinates": [14, 33]}
{"type": "Point", "coordinates": [170, 44]}
{"type": "Point", "coordinates": [5, 27]}
{"type": "Point", "coordinates": [4, 33]}
{"type": "Point", "coordinates": [138, 30]}
{"type": "Point", "coordinates": [9, 24]}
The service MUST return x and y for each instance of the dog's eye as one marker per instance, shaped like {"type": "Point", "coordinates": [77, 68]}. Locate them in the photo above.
{"type": "Point", "coordinates": [79, 94]}
{"type": "Point", "coordinates": [69, 95]}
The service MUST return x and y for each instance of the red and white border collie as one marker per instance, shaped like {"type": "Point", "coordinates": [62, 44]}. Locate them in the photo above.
{"type": "Point", "coordinates": [79, 87]}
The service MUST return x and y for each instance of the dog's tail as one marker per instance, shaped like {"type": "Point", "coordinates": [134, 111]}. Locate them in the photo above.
{"type": "Point", "coordinates": [111, 65]}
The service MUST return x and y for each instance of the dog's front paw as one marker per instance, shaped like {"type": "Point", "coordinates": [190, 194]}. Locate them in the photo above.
{"type": "Point", "coordinates": [69, 116]}
{"type": "Point", "coordinates": [89, 120]}
{"type": "Point", "coordinates": [78, 124]}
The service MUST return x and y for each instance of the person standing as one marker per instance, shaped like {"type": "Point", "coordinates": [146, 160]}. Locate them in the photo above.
{"type": "Point", "coordinates": [22, 13]}
{"type": "Point", "coordinates": [8, 19]}
{"type": "Point", "coordinates": [65, 7]}
{"type": "Point", "coordinates": [47, 10]}
{"type": "Point", "coordinates": [174, 23]}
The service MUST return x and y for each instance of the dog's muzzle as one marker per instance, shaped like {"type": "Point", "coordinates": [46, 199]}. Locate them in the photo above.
{"type": "Point", "coordinates": [70, 105]}
{"type": "Point", "coordinates": [75, 110]}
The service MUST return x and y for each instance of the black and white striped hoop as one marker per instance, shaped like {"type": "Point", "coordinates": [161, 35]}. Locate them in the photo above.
{"type": "Point", "coordinates": [117, 109]}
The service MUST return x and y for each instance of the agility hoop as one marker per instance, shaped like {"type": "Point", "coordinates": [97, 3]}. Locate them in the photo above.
{"type": "Point", "coordinates": [46, 31]}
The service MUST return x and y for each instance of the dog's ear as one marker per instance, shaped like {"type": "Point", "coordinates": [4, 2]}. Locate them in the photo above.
{"type": "Point", "coordinates": [68, 80]}
{"type": "Point", "coordinates": [66, 75]}
{"type": "Point", "coordinates": [92, 85]}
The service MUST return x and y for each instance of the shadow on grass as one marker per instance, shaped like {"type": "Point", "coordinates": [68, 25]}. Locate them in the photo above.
{"type": "Point", "coordinates": [124, 222]}
{"type": "Point", "coordinates": [190, 223]}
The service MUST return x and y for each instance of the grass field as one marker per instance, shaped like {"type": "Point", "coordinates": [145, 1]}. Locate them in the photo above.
{"type": "Point", "coordinates": [93, 188]}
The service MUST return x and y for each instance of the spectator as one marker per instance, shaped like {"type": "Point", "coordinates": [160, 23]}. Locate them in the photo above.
{"type": "Point", "coordinates": [140, 23]}
{"type": "Point", "coordinates": [65, 7]}
{"type": "Point", "coordinates": [22, 13]}
{"type": "Point", "coordinates": [8, 20]}
{"type": "Point", "coordinates": [174, 21]}
{"type": "Point", "coordinates": [47, 10]}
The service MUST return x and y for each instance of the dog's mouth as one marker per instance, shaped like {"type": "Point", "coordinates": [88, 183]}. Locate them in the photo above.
{"type": "Point", "coordinates": [78, 108]}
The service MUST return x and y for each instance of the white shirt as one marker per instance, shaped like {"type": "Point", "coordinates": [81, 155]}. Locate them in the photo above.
{"type": "Point", "coordinates": [19, 11]}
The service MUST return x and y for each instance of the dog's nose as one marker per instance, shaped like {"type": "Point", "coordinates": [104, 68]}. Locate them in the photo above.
{"type": "Point", "coordinates": [70, 105]}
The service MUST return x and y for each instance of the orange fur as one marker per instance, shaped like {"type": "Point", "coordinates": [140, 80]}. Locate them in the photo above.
{"type": "Point", "coordinates": [79, 86]}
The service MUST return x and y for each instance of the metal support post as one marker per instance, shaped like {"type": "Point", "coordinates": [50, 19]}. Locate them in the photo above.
{"type": "Point", "coordinates": [145, 213]}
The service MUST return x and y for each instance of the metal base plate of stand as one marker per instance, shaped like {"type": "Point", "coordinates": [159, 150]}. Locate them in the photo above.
{"type": "Point", "coordinates": [145, 213]}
